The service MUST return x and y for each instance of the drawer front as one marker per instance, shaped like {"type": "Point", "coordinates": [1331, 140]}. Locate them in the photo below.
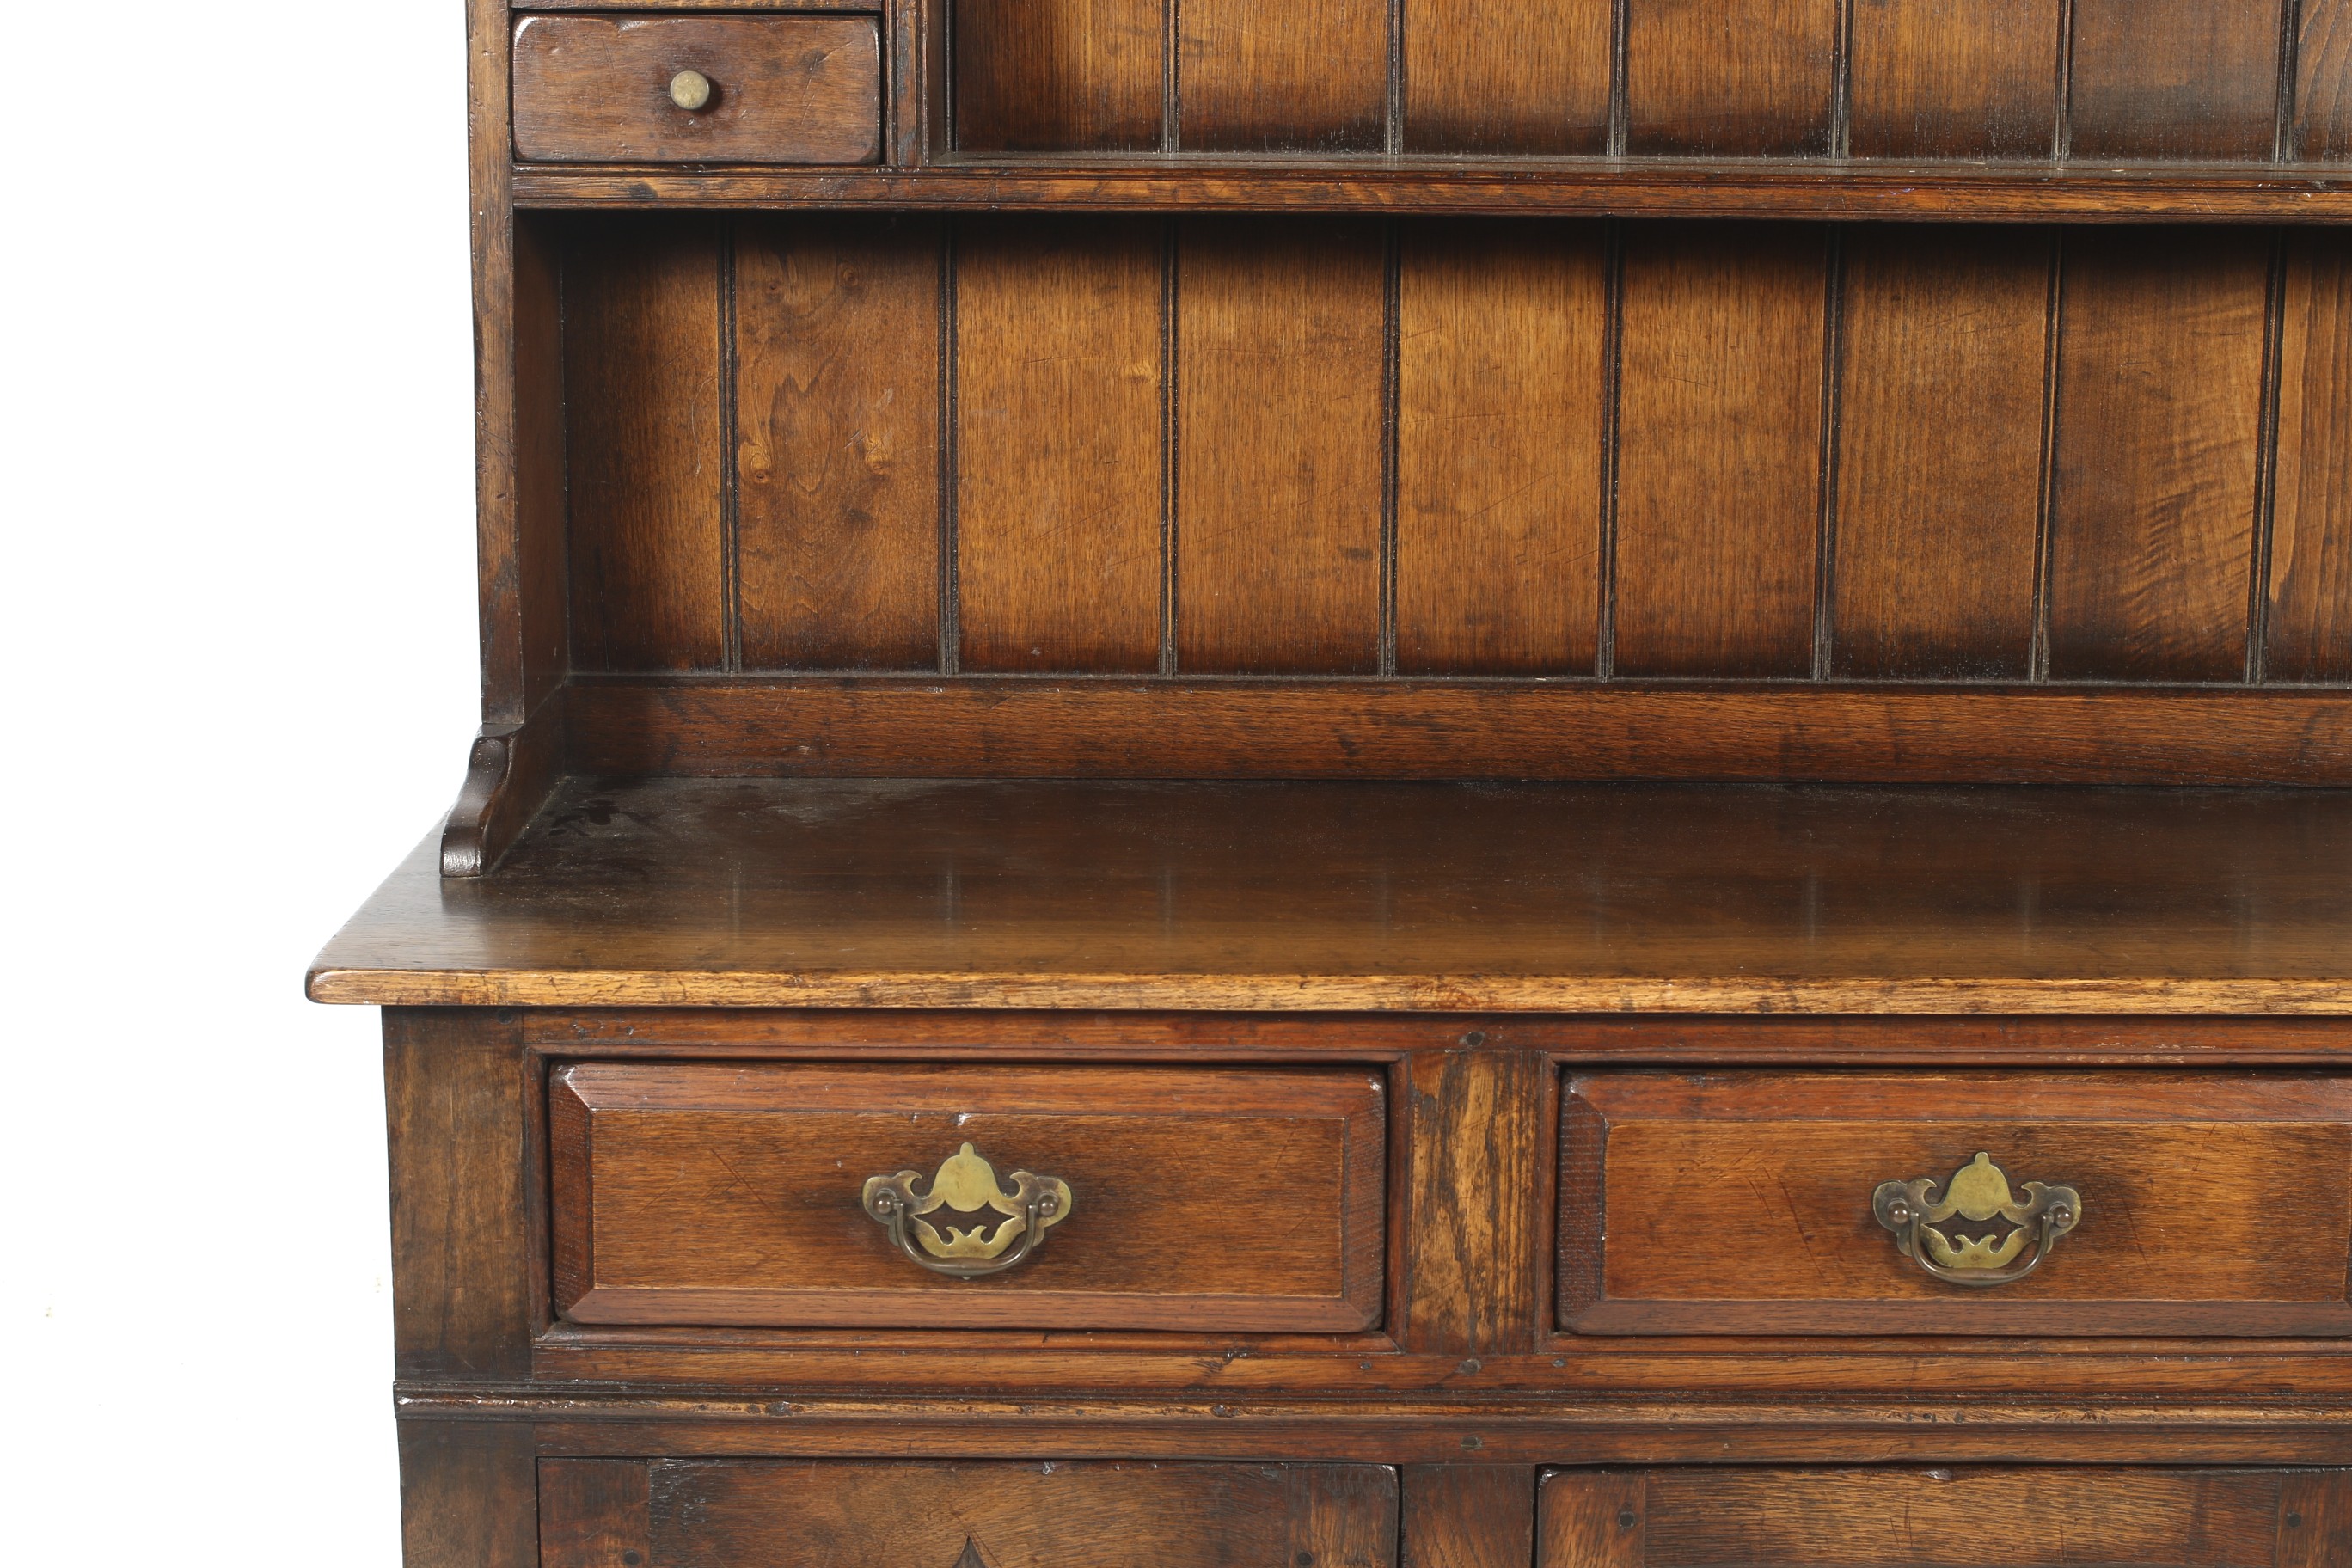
{"type": "Point", "coordinates": [1947, 1204]}
{"type": "Point", "coordinates": [1946, 1518]}
{"type": "Point", "coordinates": [774, 90]}
{"type": "Point", "coordinates": [962, 1197]}
{"type": "Point", "coordinates": [725, 1513]}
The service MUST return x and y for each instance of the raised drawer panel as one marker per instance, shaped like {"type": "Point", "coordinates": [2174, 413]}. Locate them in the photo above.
{"type": "Point", "coordinates": [1747, 1203]}
{"type": "Point", "coordinates": [784, 89]}
{"type": "Point", "coordinates": [1232, 1201]}
{"type": "Point", "coordinates": [673, 1513]}
{"type": "Point", "coordinates": [2007, 1518]}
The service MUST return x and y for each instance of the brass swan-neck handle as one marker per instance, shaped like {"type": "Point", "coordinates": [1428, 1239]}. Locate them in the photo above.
{"type": "Point", "coordinates": [917, 1215]}
{"type": "Point", "coordinates": [1978, 1192]}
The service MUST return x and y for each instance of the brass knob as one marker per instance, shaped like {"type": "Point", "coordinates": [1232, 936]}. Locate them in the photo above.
{"type": "Point", "coordinates": [690, 91]}
{"type": "Point", "coordinates": [921, 1215]}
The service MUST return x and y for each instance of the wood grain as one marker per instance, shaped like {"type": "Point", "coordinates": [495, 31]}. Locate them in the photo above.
{"type": "Point", "coordinates": [1955, 79]}
{"type": "Point", "coordinates": [1720, 455]}
{"type": "Point", "coordinates": [788, 89]}
{"type": "Point", "coordinates": [643, 450]}
{"type": "Point", "coordinates": [1468, 1516]}
{"type": "Point", "coordinates": [1988, 1518]}
{"type": "Point", "coordinates": [2310, 620]}
{"type": "Point", "coordinates": [1017, 1515]}
{"type": "Point", "coordinates": [593, 1511]}
{"type": "Point", "coordinates": [1219, 1201]}
{"type": "Point", "coordinates": [1502, 385]}
{"type": "Point", "coordinates": [1305, 76]}
{"type": "Point", "coordinates": [468, 1498]}
{"type": "Point", "coordinates": [2315, 1519]}
{"type": "Point", "coordinates": [1734, 78]}
{"type": "Point", "coordinates": [1791, 1162]}
{"type": "Point", "coordinates": [1058, 474]}
{"type": "Point", "coordinates": [1279, 415]}
{"type": "Point", "coordinates": [2160, 420]}
{"type": "Point", "coordinates": [527, 653]}
{"type": "Point", "coordinates": [2322, 93]}
{"type": "Point", "coordinates": [1050, 76]}
{"type": "Point", "coordinates": [1508, 76]}
{"type": "Point", "coordinates": [1422, 897]}
{"type": "Point", "coordinates": [837, 445]}
{"type": "Point", "coordinates": [1940, 454]}
{"type": "Point", "coordinates": [1472, 1204]}
{"type": "Point", "coordinates": [2175, 79]}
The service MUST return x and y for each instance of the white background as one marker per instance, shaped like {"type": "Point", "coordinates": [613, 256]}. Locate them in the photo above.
{"type": "Point", "coordinates": [236, 536]}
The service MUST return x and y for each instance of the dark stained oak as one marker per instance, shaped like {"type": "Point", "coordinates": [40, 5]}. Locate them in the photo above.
{"type": "Point", "coordinates": [1955, 79]}
{"type": "Point", "coordinates": [2323, 94]}
{"type": "Point", "coordinates": [1502, 382]}
{"type": "Point", "coordinates": [1468, 1516]}
{"type": "Point", "coordinates": [641, 384]}
{"type": "Point", "coordinates": [2155, 472]}
{"type": "Point", "coordinates": [1731, 77]}
{"type": "Point", "coordinates": [593, 1511]}
{"type": "Point", "coordinates": [1940, 454]}
{"type": "Point", "coordinates": [1718, 479]}
{"type": "Point", "coordinates": [786, 89]}
{"type": "Point", "coordinates": [1971, 1518]}
{"type": "Point", "coordinates": [1508, 76]}
{"type": "Point", "coordinates": [1305, 76]}
{"type": "Point", "coordinates": [2175, 79]}
{"type": "Point", "coordinates": [467, 1495]}
{"type": "Point", "coordinates": [1059, 467]}
{"type": "Point", "coordinates": [1231, 1200]}
{"type": "Point", "coordinates": [1280, 410]}
{"type": "Point", "coordinates": [2310, 615]}
{"type": "Point", "coordinates": [1532, 898]}
{"type": "Point", "coordinates": [836, 446]}
{"type": "Point", "coordinates": [1058, 75]}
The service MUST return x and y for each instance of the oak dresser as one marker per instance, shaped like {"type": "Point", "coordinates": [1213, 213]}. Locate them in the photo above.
{"type": "Point", "coordinates": [1338, 783]}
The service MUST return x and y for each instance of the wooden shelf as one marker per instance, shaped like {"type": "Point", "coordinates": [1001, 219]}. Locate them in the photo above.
{"type": "Point", "coordinates": [1776, 188]}
{"type": "Point", "coordinates": [1529, 897]}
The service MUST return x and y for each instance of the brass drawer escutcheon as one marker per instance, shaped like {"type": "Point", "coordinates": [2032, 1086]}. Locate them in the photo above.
{"type": "Point", "coordinates": [1979, 1193]}
{"type": "Point", "coordinates": [966, 1184]}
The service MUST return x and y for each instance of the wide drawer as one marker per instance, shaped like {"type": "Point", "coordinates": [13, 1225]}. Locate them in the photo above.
{"type": "Point", "coordinates": [1992, 1202]}
{"type": "Point", "coordinates": [1967, 1518]}
{"type": "Point", "coordinates": [734, 1513]}
{"type": "Point", "coordinates": [738, 90]}
{"type": "Point", "coordinates": [959, 1197]}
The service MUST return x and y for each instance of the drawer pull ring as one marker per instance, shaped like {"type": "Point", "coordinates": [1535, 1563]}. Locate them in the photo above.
{"type": "Point", "coordinates": [967, 1189]}
{"type": "Point", "coordinates": [690, 91]}
{"type": "Point", "coordinates": [1978, 1192]}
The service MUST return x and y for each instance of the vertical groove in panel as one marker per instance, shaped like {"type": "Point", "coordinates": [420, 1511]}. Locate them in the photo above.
{"type": "Point", "coordinates": [1279, 408]}
{"type": "Point", "coordinates": [1620, 26]}
{"type": "Point", "coordinates": [2175, 79]}
{"type": "Point", "coordinates": [1941, 453]}
{"type": "Point", "coordinates": [1613, 355]}
{"type": "Point", "coordinates": [2289, 41]}
{"type": "Point", "coordinates": [1508, 76]}
{"type": "Point", "coordinates": [1825, 543]}
{"type": "Point", "coordinates": [1842, 84]}
{"type": "Point", "coordinates": [1059, 498]}
{"type": "Point", "coordinates": [2322, 81]}
{"type": "Point", "coordinates": [1314, 78]}
{"type": "Point", "coordinates": [2065, 131]}
{"type": "Point", "coordinates": [2309, 618]}
{"type": "Point", "coordinates": [645, 450]}
{"type": "Point", "coordinates": [1953, 78]}
{"type": "Point", "coordinates": [1732, 77]}
{"type": "Point", "coordinates": [730, 554]}
{"type": "Point", "coordinates": [1172, 87]}
{"type": "Point", "coordinates": [1169, 368]}
{"type": "Point", "coordinates": [840, 447]}
{"type": "Point", "coordinates": [1392, 113]}
{"type": "Point", "coordinates": [2257, 580]}
{"type": "Point", "coordinates": [2158, 444]}
{"type": "Point", "coordinates": [950, 593]}
{"type": "Point", "coordinates": [2046, 502]}
{"type": "Point", "coordinates": [1502, 381]}
{"type": "Point", "coordinates": [1719, 453]}
{"type": "Point", "coordinates": [1392, 283]}
{"type": "Point", "coordinates": [1053, 76]}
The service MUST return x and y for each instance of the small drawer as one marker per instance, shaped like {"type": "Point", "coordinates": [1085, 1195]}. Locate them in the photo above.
{"type": "Point", "coordinates": [1960, 1518]}
{"type": "Point", "coordinates": [749, 1513]}
{"type": "Point", "coordinates": [1993, 1203]}
{"type": "Point", "coordinates": [675, 89]}
{"type": "Point", "coordinates": [967, 1197]}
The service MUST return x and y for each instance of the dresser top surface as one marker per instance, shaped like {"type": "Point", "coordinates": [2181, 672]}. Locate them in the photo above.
{"type": "Point", "coordinates": [750, 892]}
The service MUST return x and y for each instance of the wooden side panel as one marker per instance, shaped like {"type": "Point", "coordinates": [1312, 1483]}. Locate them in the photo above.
{"type": "Point", "coordinates": [1204, 1201]}
{"type": "Point", "coordinates": [1939, 463]}
{"type": "Point", "coordinates": [2314, 1525]}
{"type": "Point", "coordinates": [541, 650]}
{"type": "Point", "coordinates": [1302, 76]}
{"type": "Point", "coordinates": [467, 1495]}
{"type": "Point", "coordinates": [1735, 77]}
{"type": "Point", "coordinates": [1508, 76]}
{"type": "Point", "coordinates": [1010, 1515]}
{"type": "Point", "coordinates": [2160, 420]}
{"type": "Point", "coordinates": [1473, 1202]}
{"type": "Point", "coordinates": [1502, 388]}
{"type": "Point", "coordinates": [1281, 361]}
{"type": "Point", "coordinates": [2310, 628]}
{"type": "Point", "coordinates": [1955, 79]}
{"type": "Point", "coordinates": [1590, 1518]}
{"type": "Point", "coordinates": [595, 1513]}
{"type": "Point", "coordinates": [641, 392]}
{"type": "Point", "coordinates": [2323, 94]}
{"type": "Point", "coordinates": [1719, 467]}
{"type": "Point", "coordinates": [1468, 1516]}
{"type": "Point", "coordinates": [1048, 75]}
{"type": "Point", "coordinates": [837, 440]}
{"type": "Point", "coordinates": [1060, 443]}
{"type": "Point", "coordinates": [2175, 79]}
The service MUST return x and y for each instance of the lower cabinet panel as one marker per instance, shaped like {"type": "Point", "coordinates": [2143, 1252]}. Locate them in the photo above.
{"type": "Point", "coordinates": [1959, 1518]}
{"type": "Point", "coordinates": [680, 1513]}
